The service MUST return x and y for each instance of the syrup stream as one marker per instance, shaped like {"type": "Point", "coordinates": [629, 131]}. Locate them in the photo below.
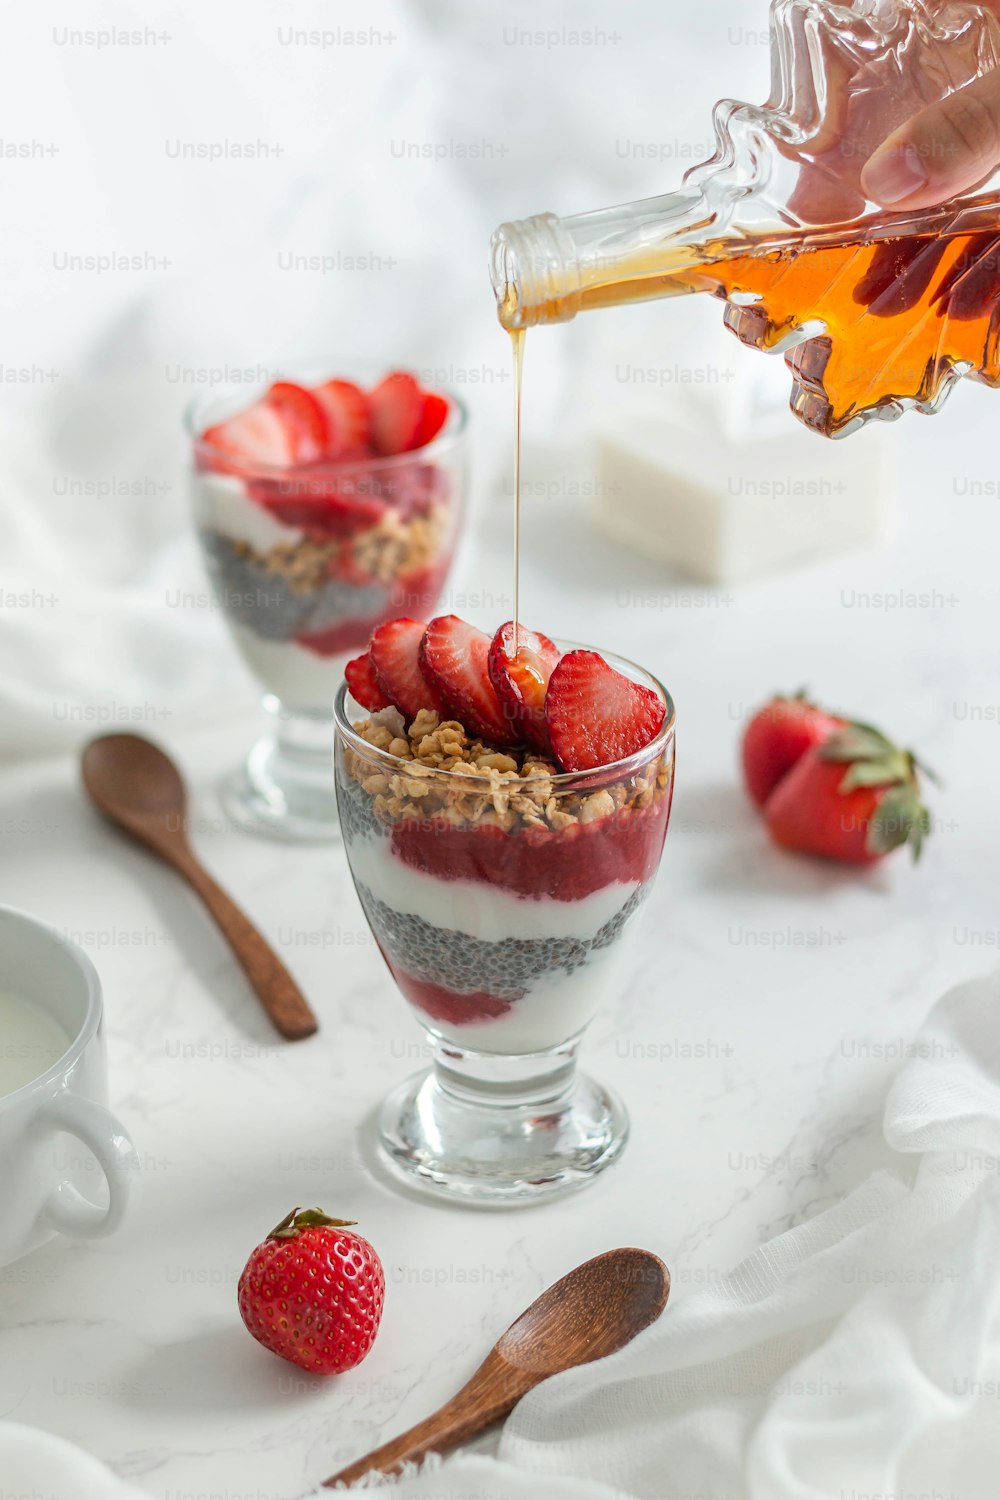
{"type": "Point", "coordinates": [517, 344]}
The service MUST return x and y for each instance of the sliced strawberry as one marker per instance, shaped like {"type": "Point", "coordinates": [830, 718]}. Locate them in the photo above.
{"type": "Point", "coordinates": [432, 418]}
{"type": "Point", "coordinates": [397, 405]}
{"type": "Point", "coordinates": [395, 651]}
{"type": "Point", "coordinates": [255, 436]}
{"type": "Point", "coordinates": [363, 683]}
{"type": "Point", "coordinates": [521, 678]}
{"type": "Point", "coordinates": [304, 419]}
{"type": "Point", "coordinates": [595, 716]}
{"type": "Point", "coordinates": [454, 657]}
{"type": "Point", "coordinates": [348, 418]}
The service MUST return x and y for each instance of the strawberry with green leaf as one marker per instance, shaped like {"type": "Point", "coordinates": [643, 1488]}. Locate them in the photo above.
{"type": "Point", "coordinates": [854, 798]}
{"type": "Point", "coordinates": [313, 1292]}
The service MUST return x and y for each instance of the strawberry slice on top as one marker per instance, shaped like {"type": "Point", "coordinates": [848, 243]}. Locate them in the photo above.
{"type": "Point", "coordinates": [258, 435]}
{"type": "Point", "coordinates": [397, 407]}
{"type": "Point", "coordinates": [303, 417]}
{"type": "Point", "coordinates": [454, 657]}
{"type": "Point", "coordinates": [364, 685]}
{"type": "Point", "coordinates": [394, 650]}
{"type": "Point", "coordinates": [349, 425]}
{"type": "Point", "coordinates": [521, 678]}
{"type": "Point", "coordinates": [433, 416]}
{"type": "Point", "coordinates": [595, 715]}
{"type": "Point", "coordinates": [291, 425]}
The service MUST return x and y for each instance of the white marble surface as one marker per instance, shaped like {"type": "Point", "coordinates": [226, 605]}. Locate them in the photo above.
{"type": "Point", "coordinates": [753, 1037]}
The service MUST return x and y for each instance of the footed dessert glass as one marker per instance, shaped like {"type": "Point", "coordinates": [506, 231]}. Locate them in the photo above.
{"type": "Point", "coordinates": [304, 564]}
{"type": "Point", "coordinates": [500, 904]}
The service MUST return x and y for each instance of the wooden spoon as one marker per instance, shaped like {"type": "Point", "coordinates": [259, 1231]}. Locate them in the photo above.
{"type": "Point", "coordinates": [135, 784]}
{"type": "Point", "coordinates": [596, 1309]}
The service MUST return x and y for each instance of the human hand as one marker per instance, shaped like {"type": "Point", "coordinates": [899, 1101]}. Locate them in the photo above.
{"type": "Point", "coordinates": [877, 139]}
{"type": "Point", "coordinates": [946, 149]}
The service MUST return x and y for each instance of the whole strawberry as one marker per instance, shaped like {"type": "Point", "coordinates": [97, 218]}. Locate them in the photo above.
{"type": "Point", "coordinates": [777, 736]}
{"type": "Point", "coordinates": [313, 1293]}
{"type": "Point", "coordinates": [855, 798]}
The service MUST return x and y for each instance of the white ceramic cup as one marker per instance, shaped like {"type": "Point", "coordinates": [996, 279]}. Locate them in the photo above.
{"type": "Point", "coordinates": [39, 1179]}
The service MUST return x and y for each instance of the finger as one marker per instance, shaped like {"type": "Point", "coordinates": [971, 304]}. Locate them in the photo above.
{"type": "Point", "coordinates": [946, 149]}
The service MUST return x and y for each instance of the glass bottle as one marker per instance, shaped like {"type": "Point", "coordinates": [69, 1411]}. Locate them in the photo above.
{"type": "Point", "coordinates": [875, 311]}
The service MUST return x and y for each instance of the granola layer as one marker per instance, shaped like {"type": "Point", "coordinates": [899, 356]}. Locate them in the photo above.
{"type": "Point", "coordinates": [518, 791]}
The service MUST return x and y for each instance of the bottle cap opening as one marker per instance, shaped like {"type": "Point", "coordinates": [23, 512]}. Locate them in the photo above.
{"type": "Point", "coordinates": [535, 272]}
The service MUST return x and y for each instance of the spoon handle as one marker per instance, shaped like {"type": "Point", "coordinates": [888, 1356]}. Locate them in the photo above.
{"type": "Point", "coordinates": [278, 993]}
{"type": "Point", "coordinates": [491, 1394]}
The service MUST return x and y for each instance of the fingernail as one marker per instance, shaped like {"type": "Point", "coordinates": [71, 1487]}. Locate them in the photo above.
{"type": "Point", "coordinates": [893, 175]}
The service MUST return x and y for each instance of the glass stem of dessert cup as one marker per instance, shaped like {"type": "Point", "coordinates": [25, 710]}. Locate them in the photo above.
{"type": "Point", "coordinates": [495, 1130]}
{"type": "Point", "coordinates": [284, 788]}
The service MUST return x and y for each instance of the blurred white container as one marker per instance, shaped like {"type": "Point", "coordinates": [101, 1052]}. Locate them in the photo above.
{"type": "Point", "coordinates": [701, 465]}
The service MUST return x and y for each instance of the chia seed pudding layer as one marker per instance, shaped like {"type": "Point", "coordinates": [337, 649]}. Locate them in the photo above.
{"type": "Point", "coordinates": [459, 962]}
{"type": "Point", "coordinates": [271, 604]}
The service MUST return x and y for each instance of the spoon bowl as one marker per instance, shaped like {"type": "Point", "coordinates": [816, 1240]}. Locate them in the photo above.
{"type": "Point", "coordinates": [592, 1312]}
{"type": "Point", "coordinates": [135, 783]}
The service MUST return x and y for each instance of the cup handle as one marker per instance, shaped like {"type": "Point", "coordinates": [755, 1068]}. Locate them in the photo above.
{"type": "Point", "coordinates": [66, 1209]}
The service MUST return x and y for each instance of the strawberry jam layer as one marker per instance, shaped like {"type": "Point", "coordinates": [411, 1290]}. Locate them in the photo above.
{"type": "Point", "coordinates": [332, 503]}
{"type": "Point", "coordinates": [339, 509]}
{"type": "Point", "coordinates": [563, 865]}
{"type": "Point", "coordinates": [448, 1006]}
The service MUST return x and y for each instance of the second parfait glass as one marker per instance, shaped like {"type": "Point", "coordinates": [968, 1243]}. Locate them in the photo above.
{"type": "Point", "coordinates": [304, 564]}
{"type": "Point", "coordinates": [500, 906]}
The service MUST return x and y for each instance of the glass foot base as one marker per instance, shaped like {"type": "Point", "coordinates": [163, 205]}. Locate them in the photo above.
{"type": "Point", "coordinates": [499, 1145]}
{"type": "Point", "coordinates": [285, 789]}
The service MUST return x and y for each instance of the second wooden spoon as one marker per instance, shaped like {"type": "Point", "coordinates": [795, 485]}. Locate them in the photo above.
{"type": "Point", "coordinates": [135, 784]}
{"type": "Point", "coordinates": [594, 1311]}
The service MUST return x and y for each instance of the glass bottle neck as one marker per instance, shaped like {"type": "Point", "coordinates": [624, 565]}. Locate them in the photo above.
{"type": "Point", "coordinates": [546, 269]}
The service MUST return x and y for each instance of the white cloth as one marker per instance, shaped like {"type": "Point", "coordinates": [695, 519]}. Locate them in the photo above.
{"type": "Point", "coordinates": [854, 1355]}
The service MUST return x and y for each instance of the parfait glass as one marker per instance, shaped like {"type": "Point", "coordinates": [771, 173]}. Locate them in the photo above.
{"type": "Point", "coordinates": [304, 563]}
{"type": "Point", "coordinates": [500, 905]}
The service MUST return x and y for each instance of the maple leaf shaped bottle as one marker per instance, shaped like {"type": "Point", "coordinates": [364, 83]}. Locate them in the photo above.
{"type": "Point", "coordinates": [875, 312]}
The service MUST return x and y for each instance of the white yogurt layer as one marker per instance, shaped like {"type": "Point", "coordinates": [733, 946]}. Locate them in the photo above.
{"type": "Point", "coordinates": [293, 673]}
{"type": "Point", "coordinates": [223, 505]}
{"type": "Point", "coordinates": [557, 1007]}
{"type": "Point", "coordinates": [482, 911]}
